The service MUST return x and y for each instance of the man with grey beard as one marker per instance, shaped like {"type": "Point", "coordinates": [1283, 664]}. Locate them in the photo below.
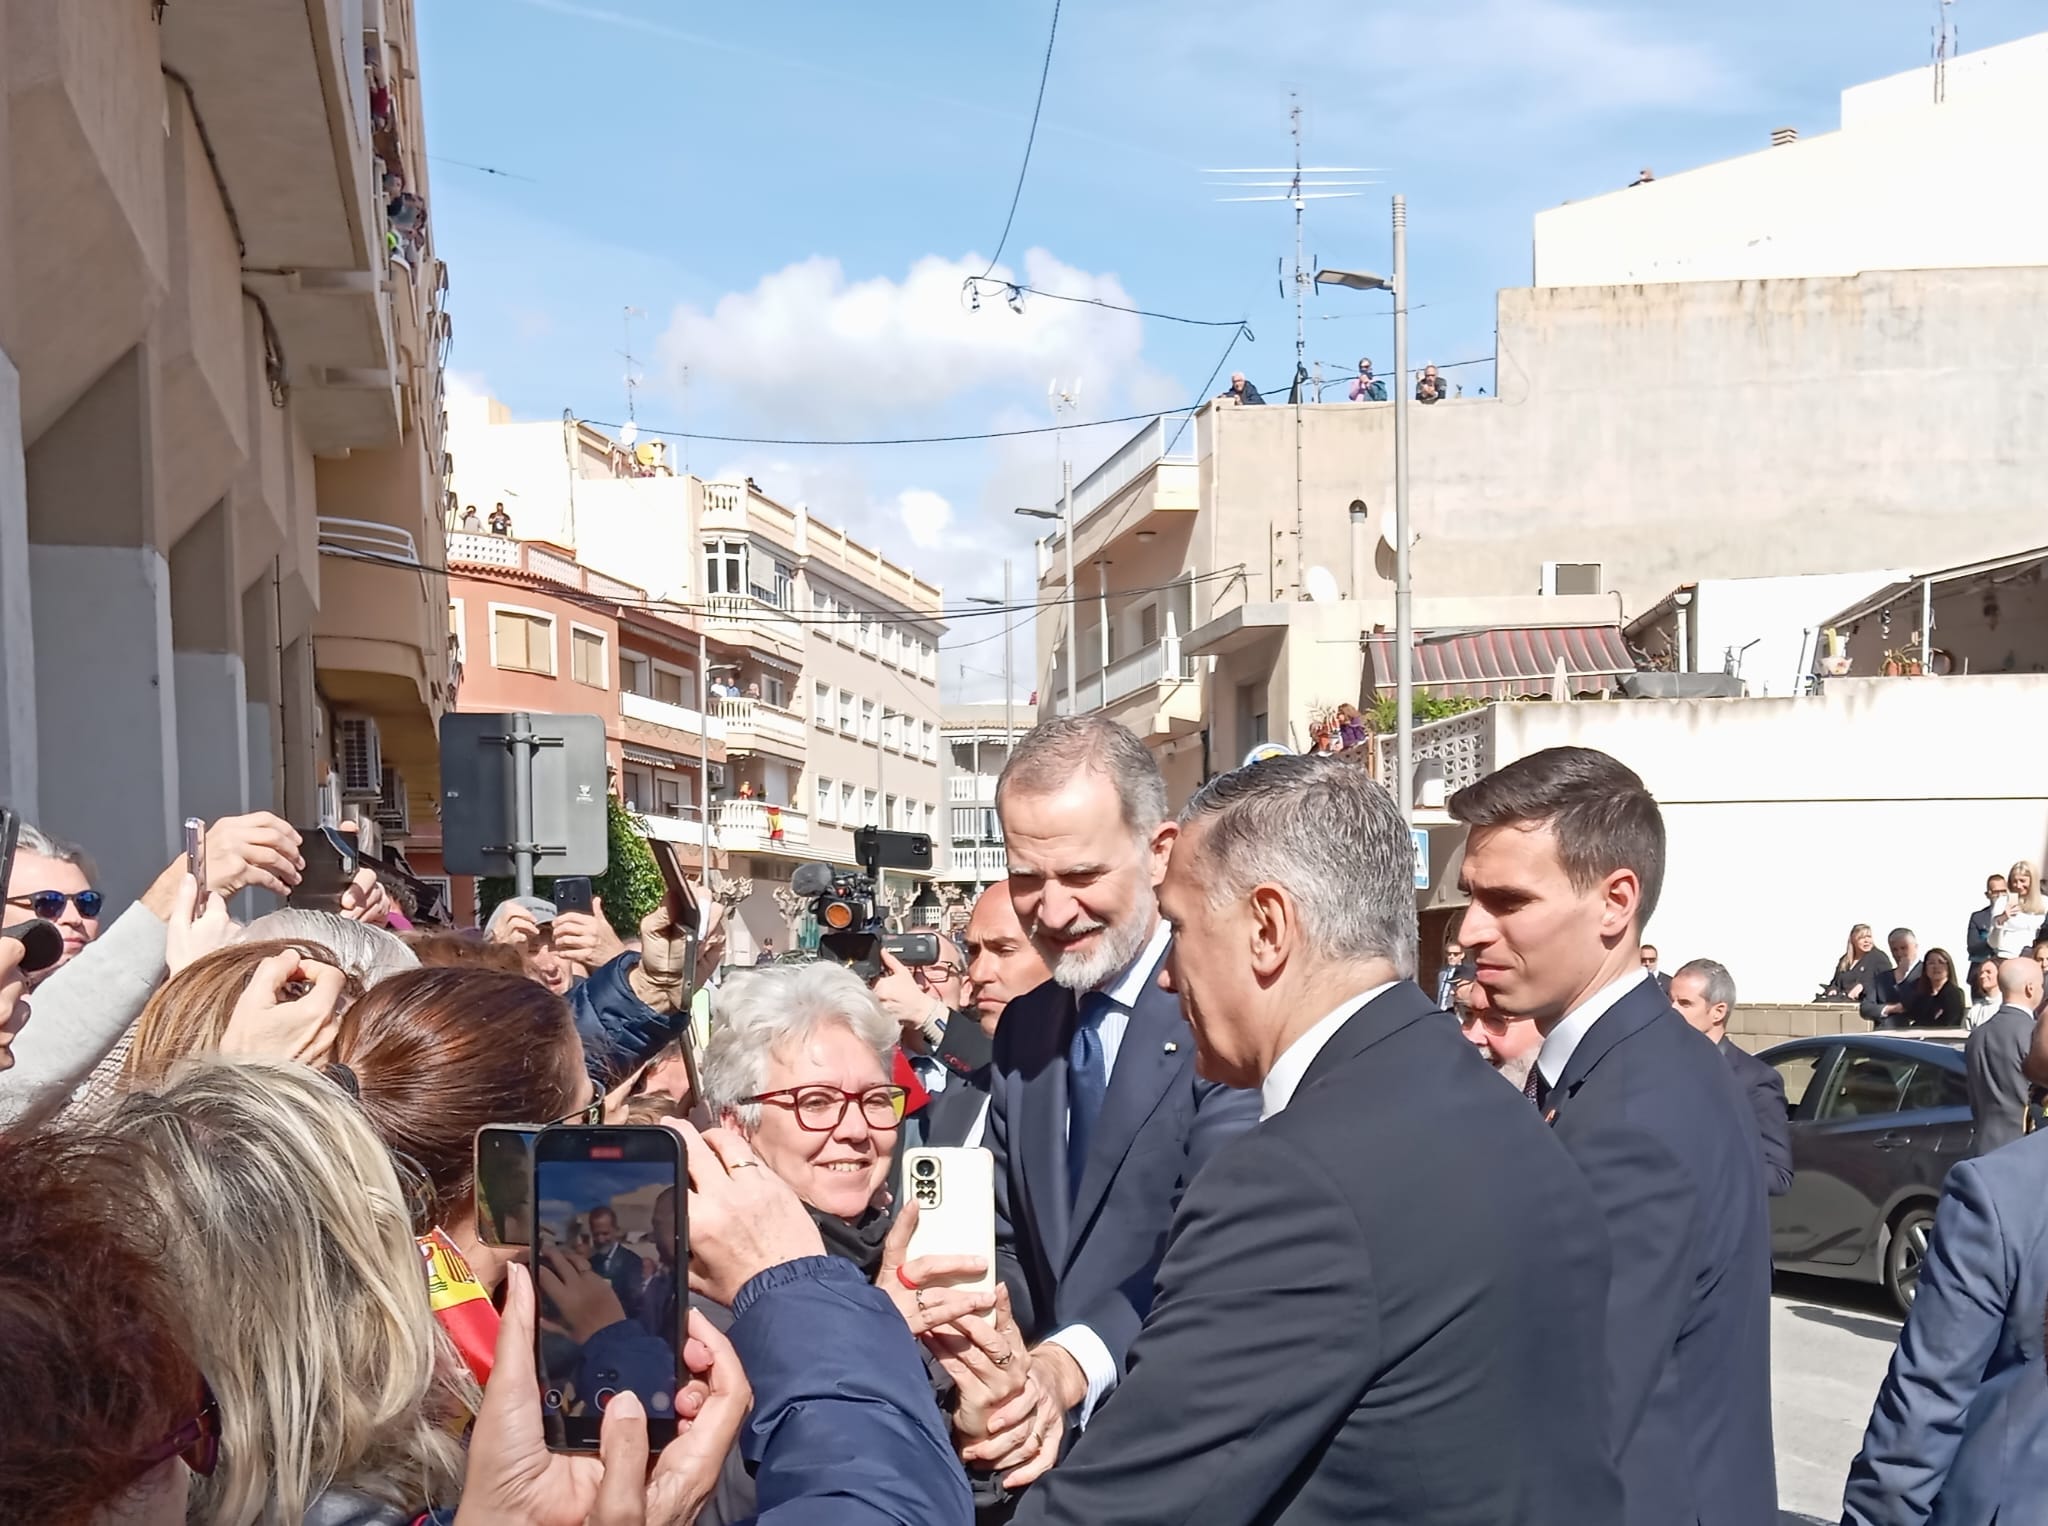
{"type": "Point", "coordinates": [1097, 1119]}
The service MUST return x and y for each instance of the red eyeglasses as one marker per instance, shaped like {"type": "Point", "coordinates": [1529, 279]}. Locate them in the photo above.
{"type": "Point", "coordinates": [197, 1441]}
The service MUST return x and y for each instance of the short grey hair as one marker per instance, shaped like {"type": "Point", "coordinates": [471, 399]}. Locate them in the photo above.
{"type": "Point", "coordinates": [1717, 986]}
{"type": "Point", "coordinates": [33, 839]}
{"type": "Point", "coordinates": [1328, 833]}
{"type": "Point", "coordinates": [369, 953]}
{"type": "Point", "coordinates": [1052, 752]}
{"type": "Point", "coordinates": [1900, 932]}
{"type": "Point", "coordinates": [759, 1012]}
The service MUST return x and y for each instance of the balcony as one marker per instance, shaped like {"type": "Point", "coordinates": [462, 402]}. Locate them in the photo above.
{"type": "Point", "coordinates": [754, 725]}
{"type": "Point", "coordinates": [971, 789]}
{"type": "Point", "coordinates": [1463, 744]}
{"type": "Point", "coordinates": [983, 863]}
{"type": "Point", "coordinates": [741, 620]}
{"type": "Point", "coordinates": [668, 723]}
{"type": "Point", "coordinates": [1152, 690]}
{"type": "Point", "coordinates": [750, 826]}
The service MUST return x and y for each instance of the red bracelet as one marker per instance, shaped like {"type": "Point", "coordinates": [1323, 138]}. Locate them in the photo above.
{"type": "Point", "coordinates": [905, 1280]}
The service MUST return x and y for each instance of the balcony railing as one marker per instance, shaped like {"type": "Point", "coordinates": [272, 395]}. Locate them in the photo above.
{"type": "Point", "coordinates": [657, 712]}
{"type": "Point", "coordinates": [1146, 668]}
{"type": "Point", "coordinates": [978, 863]}
{"type": "Point", "coordinates": [749, 722]}
{"type": "Point", "coordinates": [1463, 744]}
{"type": "Point", "coordinates": [367, 539]}
{"type": "Point", "coordinates": [679, 825]}
{"type": "Point", "coordinates": [752, 825]}
{"type": "Point", "coordinates": [971, 789]}
{"type": "Point", "coordinates": [743, 616]}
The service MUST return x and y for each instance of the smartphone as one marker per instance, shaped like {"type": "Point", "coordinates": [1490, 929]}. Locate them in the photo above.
{"type": "Point", "coordinates": [686, 909]}
{"type": "Point", "coordinates": [195, 858]}
{"type": "Point", "coordinates": [504, 1184]}
{"type": "Point", "coordinates": [955, 1193]}
{"type": "Point", "coordinates": [572, 893]}
{"type": "Point", "coordinates": [330, 857]}
{"type": "Point", "coordinates": [609, 1241]}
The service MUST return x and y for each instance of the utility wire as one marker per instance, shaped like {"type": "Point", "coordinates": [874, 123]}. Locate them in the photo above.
{"type": "Point", "coordinates": [1030, 138]}
{"type": "Point", "coordinates": [1018, 289]}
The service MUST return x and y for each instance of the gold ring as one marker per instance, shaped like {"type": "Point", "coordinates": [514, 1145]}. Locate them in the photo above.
{"type": "Point", "coordinates": [1005, 1359]}
{"type": "Point", "coordinates": [918, 1294]}
{"type": "Point", "coordinates": [741, 1165]}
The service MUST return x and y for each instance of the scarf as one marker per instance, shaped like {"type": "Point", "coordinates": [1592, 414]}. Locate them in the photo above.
{"type": "Point", "coordinates": [859, 1242]}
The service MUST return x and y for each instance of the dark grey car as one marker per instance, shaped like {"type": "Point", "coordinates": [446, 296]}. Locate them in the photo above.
{"type": "Point", "coordinates": [1877, 1120]}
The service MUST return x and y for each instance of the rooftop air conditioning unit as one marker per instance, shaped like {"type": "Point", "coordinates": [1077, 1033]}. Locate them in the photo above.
{"type": "Point", "coordinates": [358, 757]}
{"type": "Point", "coordinates": [1571, 577]}
{"type": "Point", "coordinates": [393, 812]}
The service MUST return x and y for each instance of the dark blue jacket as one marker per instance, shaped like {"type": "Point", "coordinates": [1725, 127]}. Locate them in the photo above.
{"type": "Point", "coordinates": [620, 1032]}
{"type": "Point", "coordinates": [844, 1430]}
{"type": "Point", "coordinates": [1657, 1122]}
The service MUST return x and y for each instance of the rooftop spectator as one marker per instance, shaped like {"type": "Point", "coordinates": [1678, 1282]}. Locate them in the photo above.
{"type": "Point", "coordinates": [472, 522]}
{"type": "Point", "coordinates": [1430, 387]}
{"type": "Point", "coordinates": [1366, 387]}
{"type": "Point", "coordinates": [500, 521]}
{"type": "Point", "coordinates": [1240, 391]}
{"type": "Point", "coordinates": [1857, 970]}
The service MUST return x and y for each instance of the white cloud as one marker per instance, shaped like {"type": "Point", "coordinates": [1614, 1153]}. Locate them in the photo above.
{"type": "Point", "coordinates": [924, 515]}
{"type": "Point", "coordinates": [823, 350]}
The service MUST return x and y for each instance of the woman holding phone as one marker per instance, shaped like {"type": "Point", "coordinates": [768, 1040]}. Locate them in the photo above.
{"type": "Point", "coordinates": [2016, 916]}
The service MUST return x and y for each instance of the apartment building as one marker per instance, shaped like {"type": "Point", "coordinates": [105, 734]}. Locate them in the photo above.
{"type": "Point", "coordinates": [819, 668]}
{"type": "Point", "coordinates": [221, 458]}
{"type": "Point", "coordinates": [1743, 388]}
{"type": "Point", "coordinates": [977, 740]}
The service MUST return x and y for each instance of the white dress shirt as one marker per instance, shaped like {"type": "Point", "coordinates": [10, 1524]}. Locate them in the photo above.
{"type": "Point", "coordinates": [1556, 1052]}
{"type": "Point", "coordinates": [1281, 1082]}
{"type": "Point", "coordinates": [1123, 991]}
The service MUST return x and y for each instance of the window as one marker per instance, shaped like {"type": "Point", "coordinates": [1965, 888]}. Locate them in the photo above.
{"type": "Point", "coordinates": [639, 789]}
{"type": "Point", "coordinates": [1934, 1086]}
{"type": "Point", "coordinates": [848, 804]}
{"type": "Point", "coordinates": [1796, 1071]}
{"type": "Point", "coordinates": [931, 818]}
{"type": "Point", "coordinates": [785, 586]}
{"type": "Point", "coordinates": [725, 566]}
{"type": "Point", "coordinates": [892, 729]}
{"type": "Point", "coordinates": [587, 656]}
{"type": "Point", "coordinates": [867, 809]}
{"type": "Point", "coordinates": [636, 674]}
{"type": "Point", "coordinates": [669, 686]}
{"type": "Point", "coordinates": [821, 705]}
{"type": "Point", "coordinates": [867, 720]}
{"type": "Point", "coordinates": [891, 816]}
{"type": "Point", "coordinates": [892, 646]}
{"type": "Point", "coordinates": [842, 615]}
{"type": "Point", "coordinates": [846, 713]}
{"type": "Point", "coordinates": [1866, 1086]}
{"type": "Point", "coordinates": [826, 797]}
{"type": "Point", "coordinates": [776, 692]}
{"type": "Point", "coordinates": [867, 633]}
{"type": "Point", "coordinates": [522, 641]}
{"type": "Point", "coordinates": [668, 794]}
{"type": "Point", "coordinates": [931, 742]}
{"type": "Point", "coordinates": [1148, 625]}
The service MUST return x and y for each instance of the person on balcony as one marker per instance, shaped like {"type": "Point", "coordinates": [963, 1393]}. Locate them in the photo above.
{"type": "Point", "coordinates": [500, 521]}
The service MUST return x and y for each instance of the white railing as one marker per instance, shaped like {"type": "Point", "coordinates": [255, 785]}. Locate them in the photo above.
{"type": "Point", "coordinates": [483, 550]}
{"type": "Point", "coordinates": [657, 712]}
{"type": "Point", "coordinates": [725, 500]}
{"type": "Point", "coordinates": [971, 789]}
{"type": "Point", "coordinates": [367, 538]}
{"type": "Point", "coordinates": [1137, 455]}
{"type": "Point", "coordinates": [682, 827]}
{"type": "Point", "coordinates": [746, 719]}
{"type": "Point", "coordinates": [751, 824]}
{"type": "Point", "coordinates": [1463, 744]}
{"type": "Point", "coordinates": [742, 612]}
{"type": "Point", "coordinates": [978, 863]}
{"type": "Point", "coordinates": [1145, 668]}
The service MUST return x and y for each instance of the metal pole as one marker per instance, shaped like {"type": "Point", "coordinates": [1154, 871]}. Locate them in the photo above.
{"type": "Point", "coordinates": [704, 756]}
{"type": "Point", "coordinates": [1927, 625]}
{"type": "Point", "coordinates": [1102, 618]}
{"type": "Point", "coordinates": [1404, 618]}
{"type": "Point", "coordinates": [522, 804]}
{"type": "Point", "coordinates": [1009, 690]}
{"type": "Point", "coordinates": [1073, 593]}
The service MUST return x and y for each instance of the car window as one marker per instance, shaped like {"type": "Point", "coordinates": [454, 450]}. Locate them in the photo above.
{"type": "Point", "coordinates": [1867, 1086]}
{"type": "Point", "coordinates": [1797, 1072]}
{"type": "Point", "coordinates": [1934, 1086]}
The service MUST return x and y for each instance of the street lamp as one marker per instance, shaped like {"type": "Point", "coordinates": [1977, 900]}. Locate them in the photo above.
{"type": "Point", "coordinates": [1404, 620]}
{"type": "Point", "coordinates": [1059, 516]}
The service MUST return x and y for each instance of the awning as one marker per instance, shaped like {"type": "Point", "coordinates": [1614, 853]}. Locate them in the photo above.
{"type": "Point", "coordinates": [648, 759]}
{"type": "Point", "coordinates": [1505, 664]}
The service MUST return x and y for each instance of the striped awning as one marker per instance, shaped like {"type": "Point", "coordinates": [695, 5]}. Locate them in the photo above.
{"type": "Point", "coordinates": [648, 759]}
{"type": "Point", "coordinates": [1505, 664]}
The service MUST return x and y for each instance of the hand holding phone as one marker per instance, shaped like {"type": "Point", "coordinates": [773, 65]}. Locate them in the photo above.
{"type": "Point", "coordinates": [195, 858]}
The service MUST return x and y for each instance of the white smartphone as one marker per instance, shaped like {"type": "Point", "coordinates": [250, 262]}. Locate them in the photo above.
{"type": "Point", "coordinates": [955, 1192]}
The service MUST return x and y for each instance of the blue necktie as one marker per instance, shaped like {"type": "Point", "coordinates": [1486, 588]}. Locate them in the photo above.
{"type": "Point", "coordinates": [1087, 1084]}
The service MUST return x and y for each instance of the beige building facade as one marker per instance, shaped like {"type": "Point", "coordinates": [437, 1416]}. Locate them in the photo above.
{"type": "Point", "coordinates": [221, 455]}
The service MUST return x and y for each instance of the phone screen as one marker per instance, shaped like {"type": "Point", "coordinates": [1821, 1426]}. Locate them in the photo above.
{"type": "Point", "coordinates": [608, 1240]}
{"type": "Point", "coordinates": [504, 1184]}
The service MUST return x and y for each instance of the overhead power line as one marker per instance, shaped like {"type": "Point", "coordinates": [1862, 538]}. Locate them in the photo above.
{"type": "Point", "coordinates": [1030, 138]}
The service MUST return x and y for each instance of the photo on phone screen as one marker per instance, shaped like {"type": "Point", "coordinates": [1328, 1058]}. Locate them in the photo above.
{"type": "Point", "coordinates": [609, 1241]}
{"type": "Point", "coordinates": [504, 1185]}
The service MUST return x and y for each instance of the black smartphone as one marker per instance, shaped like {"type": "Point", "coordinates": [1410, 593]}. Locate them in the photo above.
{"type": "Point", "coordinates": [572, 893]}
{"type": "Point", "coordinates": [504, 1184]}
{"type": "Point", "coordinates": [610, 1244]}
{"type": "Point", "coordinates": [330, 857]}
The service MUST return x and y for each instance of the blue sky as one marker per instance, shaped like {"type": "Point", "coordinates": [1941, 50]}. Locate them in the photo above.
{"type": "Point", "coordinates": [792, 192]}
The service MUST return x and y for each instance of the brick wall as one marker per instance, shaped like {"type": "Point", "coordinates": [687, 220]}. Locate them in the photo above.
{"type": "Point", "coordinates": [1759, 1027]}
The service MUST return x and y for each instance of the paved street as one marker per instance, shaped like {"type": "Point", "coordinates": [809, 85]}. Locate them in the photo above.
{"type": "Point", "coordinates": [1830, 1343]}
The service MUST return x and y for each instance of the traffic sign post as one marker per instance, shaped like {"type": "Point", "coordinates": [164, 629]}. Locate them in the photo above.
{"type": "Point", "coordinates": [1420, 837]}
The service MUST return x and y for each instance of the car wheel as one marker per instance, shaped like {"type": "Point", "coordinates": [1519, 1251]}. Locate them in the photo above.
{"type": "Point", "coordinates": [1904, 1251]}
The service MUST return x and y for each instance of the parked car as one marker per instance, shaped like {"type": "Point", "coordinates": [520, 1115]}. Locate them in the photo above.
{"type": "Point", "coordinates": [1877, 1120]}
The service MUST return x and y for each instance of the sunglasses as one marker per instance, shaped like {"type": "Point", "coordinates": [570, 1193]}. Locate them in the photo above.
{"type": "Point", "coordinates": [589, 1115]}
{"type": "Point", "coordinates": [196, 1442]}
{"type": "Point", "coordinates": [49, 904]}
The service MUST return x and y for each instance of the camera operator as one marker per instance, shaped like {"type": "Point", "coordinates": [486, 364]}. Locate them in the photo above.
{"type": "Point", "coordinates": [950, 1057]}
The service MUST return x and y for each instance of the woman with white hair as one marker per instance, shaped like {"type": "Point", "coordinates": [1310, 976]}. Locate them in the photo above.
{"type": "Point", "coordinates": [799, 1064]}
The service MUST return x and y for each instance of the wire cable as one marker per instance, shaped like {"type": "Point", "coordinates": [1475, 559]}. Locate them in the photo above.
{"type": "Point", "coordinates": [1017, 289]}
{"type": "Point", "coordinates": [1030, 138]}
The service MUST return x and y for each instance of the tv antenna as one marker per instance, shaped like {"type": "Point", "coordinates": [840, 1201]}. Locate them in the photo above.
{"type": "Point", "coordinates": [1306, 183]}
{"type": "Point", "coordinates": [633, 377]}
{"type": "Point", "coordinates": [1946, 45]}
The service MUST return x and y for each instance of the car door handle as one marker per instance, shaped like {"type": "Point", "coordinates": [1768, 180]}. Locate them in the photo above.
{"type": "Point", "coordinates": [1892, 1141]}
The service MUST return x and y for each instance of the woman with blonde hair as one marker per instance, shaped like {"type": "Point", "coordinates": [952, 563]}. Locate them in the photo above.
{"type": "Point", "coordinates": [2017, 915]}
{"type": "Point", "coordinates": [1858, 968]}
{"type": "Point", "coordinates": [267, 998]}
{"type": "Point", "coordinates": [304, 1295]}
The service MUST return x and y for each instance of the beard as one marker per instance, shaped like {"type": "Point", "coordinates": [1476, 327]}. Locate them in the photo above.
{"type": "Point", "coordinates": [1120, 942]}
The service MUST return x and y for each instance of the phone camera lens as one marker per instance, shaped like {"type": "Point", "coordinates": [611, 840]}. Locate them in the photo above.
{"type": "Point", "coordinates": [927, 1169]}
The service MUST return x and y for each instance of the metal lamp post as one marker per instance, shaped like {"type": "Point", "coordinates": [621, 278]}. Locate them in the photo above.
{"type": "Point", "coordinates": [1059, 516]}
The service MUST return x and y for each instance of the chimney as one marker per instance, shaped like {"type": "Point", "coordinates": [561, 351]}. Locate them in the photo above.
{"type": "Point", "coordinates": [1361, 549]}
{"type": "Point", "coordinates": [1780, 136]}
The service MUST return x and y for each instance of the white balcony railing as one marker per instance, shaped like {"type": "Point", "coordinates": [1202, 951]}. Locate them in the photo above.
{"type": "Point", "coordinates": [743, 615]}
{"type": "Point", "coordinates": [1463, 744]}
{"type": "Point", "coordinates": [978, 863]}
{"type": "Point", "coordinates": [971, 789]}
{"type": "Point", "coordinates": [1146, 668]}
{"type": "Point", "coordinates": [751, 721]}
{"type": "Point", "coordinates": [752, 825]}
{"type": "Point", "coordinates": [681, 826]}
{"type": "Point", "coordinates": [658, 712]}
{"type": "Point", "coordinates": [483, 550]}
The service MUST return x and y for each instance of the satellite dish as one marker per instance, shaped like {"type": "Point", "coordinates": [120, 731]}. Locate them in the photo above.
{"type": "Point", "coordinates": [1265, 750]}
{"type": "Point", "coordinates": [1322, 587]}
{"type": "Point", "coordinates": [630, 433]}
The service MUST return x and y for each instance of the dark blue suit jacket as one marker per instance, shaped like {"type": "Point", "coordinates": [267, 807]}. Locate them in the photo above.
{"type": "Point", "coordinates": [1384, 1306]}
{"type": "Point", "coordinates": [1093, 1264]}
{"type": "Point", "coordinates": [1656, 1121]}
{"type": "Point", "coordinates": [1764, 1089]}
{"type": "Point", "coordinates": [1959, 1433]}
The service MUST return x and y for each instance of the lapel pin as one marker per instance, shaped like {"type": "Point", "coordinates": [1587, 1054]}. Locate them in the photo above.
{"type": "Point", "coordinates": [1172, 1048]}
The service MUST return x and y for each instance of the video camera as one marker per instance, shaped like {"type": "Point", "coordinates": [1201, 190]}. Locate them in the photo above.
{"type": "Point", "coordinates": [844, 903]}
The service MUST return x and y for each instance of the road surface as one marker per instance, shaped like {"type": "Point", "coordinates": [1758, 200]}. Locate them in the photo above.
{"type": "Point", "coordinates": [1830, 1344]}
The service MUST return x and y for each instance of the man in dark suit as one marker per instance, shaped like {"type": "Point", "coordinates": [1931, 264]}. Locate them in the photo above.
{"type": "Point", "coordinates": [1996, 1056]}
{"type": "Point", "coordinates": [1977, 940]}
{"type": "Point", "coordinates": [946, 1048]}
{"type": "Point", "coordinates": [1884, 999]}
{"type": "Point", "coordinates": [1648, 955]}
{"type": "Point", "coordinates": [1563, 863]}
{"type": "Point", "coordinates": [1331, 1342]}
{"type": "Point", "coordinates": [1097, 1119]}
{"type": "Point", "coordinates": [1704, 993]}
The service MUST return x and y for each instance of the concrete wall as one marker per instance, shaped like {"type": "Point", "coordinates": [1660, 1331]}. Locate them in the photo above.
{"type": "Point", "coordinates": [1905, 184]}
{"type": "Point", "coordinates": [1790, 820]}
{"type": "Point", "coordinates": [1758, 1025]}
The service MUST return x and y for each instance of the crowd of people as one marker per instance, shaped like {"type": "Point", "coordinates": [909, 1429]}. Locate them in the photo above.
{"type": "Point", "coordinates": [1271, 1245]}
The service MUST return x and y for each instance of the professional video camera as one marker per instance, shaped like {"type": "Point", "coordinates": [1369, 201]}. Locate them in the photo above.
{"type": "Point", "coordinates": [844, 903]}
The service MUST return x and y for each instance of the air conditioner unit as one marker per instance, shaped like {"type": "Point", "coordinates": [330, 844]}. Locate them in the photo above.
{"type": "Point", "coordinates": [358, 757]}
{"type": "Point", "coordinates": [393, 813]}
{"type": "Point", "coordinates": [1571, 577]}
{"type": "Point", "coordinates": [716, 776]}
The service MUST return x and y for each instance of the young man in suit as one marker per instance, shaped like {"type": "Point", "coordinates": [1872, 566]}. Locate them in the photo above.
{"type": "Point", "coordinates": [1996, 1055]}
{"type": "Point", "coordinates": [1704, 993]}
{"type": "Point", "coordinates": [1096, 1118]}
{"type": "Point", "coordinates": [1328, 1343]}
{"type": "Point", "coordinates": [1564, 859]}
